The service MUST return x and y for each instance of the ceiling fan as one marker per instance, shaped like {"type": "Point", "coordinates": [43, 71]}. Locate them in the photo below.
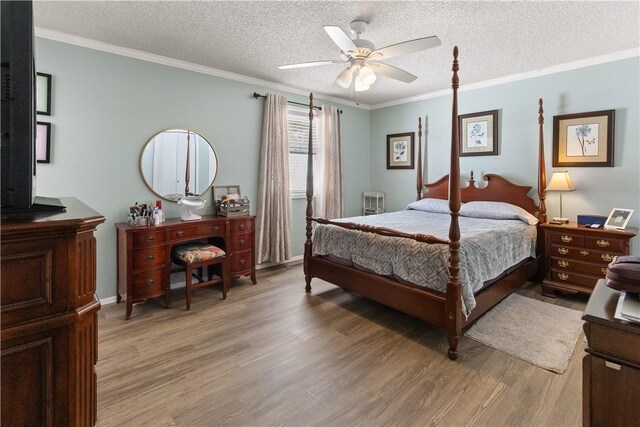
{"type": "Point", "coordinates": [363, 57]}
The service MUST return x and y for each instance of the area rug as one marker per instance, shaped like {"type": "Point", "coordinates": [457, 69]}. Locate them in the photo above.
{"type": "Point", "coordinates": [534, 331]}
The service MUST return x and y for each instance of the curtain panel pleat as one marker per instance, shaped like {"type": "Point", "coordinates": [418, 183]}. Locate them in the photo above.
{"type": "Point", "coordinates": [274, 201]}
{"type": "Point", "coordinates": [331, 204]}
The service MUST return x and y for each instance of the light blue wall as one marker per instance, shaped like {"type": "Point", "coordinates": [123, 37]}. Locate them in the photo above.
{"type": "Point", "coordinates": [105, 107]}
{"type": "Point", "coordinates": [613, 85]}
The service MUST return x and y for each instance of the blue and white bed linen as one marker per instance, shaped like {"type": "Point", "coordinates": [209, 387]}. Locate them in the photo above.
{"type": "Point", "coordinates": [488, 247]}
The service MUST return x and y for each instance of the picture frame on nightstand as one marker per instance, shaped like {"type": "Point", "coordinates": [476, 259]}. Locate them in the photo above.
{"type": "Point", "coordinates": [618, 219]}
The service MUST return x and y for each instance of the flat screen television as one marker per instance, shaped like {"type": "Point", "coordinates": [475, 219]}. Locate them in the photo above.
{"type": "Point", "coordinates": [18, 156]}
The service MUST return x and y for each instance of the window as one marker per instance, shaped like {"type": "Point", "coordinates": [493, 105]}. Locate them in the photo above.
{"type": "Point", "coordinates": [298, 132]}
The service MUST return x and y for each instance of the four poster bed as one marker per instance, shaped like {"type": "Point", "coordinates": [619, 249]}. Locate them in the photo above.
{"type": "Point", "coordinates": [419, 272]}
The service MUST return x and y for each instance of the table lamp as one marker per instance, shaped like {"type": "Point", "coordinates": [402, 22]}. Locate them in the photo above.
{"type": "Point", "coordinates": [560, 181]}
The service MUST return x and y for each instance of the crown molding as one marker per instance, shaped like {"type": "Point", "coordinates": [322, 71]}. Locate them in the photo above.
{"type": "Point", "coordinates": [176, 63]}
{"type": "Point", "coordinates": [616, 56]}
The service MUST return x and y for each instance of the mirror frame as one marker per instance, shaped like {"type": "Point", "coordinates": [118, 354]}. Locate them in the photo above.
{"type": "Point", "coordinates": [144, 147]}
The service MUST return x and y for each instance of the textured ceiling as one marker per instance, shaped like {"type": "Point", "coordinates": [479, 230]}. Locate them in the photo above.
{"type": "Point", "coordinates": [495, 39]}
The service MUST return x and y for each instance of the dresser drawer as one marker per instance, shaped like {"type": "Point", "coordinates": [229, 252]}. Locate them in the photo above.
{"type": "Point", "coordinates": [571, 265]}
{"type": "Point", "coordinates": [148, 258]}
{"type": "Point", "coordinates": [591, 255]}
{"type": "Point", "coordinates": [568, 238]}
{"type": "Point", "coordinates": [570, 277]}
{"type": "Point", "coordinates": [149, 237]}
{"type": "Point", "coordinates": [605, 244]}
{"type": "Point", "coordinates": [215, 229]}
{"type": "Point", "coordinates": [183, 233]}
{"type": "Point", "coordinates": [241, 225]}
{"type": "Point", "coordinates": [241, 242]}
{"type": "Point", "coordinates": [241, 261]}
{"type": "Point", "coordinates": [148, 284]}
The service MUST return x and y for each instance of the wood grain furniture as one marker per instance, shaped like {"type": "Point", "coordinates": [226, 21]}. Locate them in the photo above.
{"type": "Point", "coordinates": [611, 367]}
{"type": "Point", "coordinates": [441, 309]}
{"type": "Point", "coordinates": [197, 257]}
{"type": "Point", "coordinates": [577, 256]}
{"type": "Point", "coordinates": [144, 253]}
{"type": "Point", "coordinates": [49, 318]}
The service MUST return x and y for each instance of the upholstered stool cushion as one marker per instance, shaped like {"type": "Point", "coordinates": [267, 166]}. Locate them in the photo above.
{"type": "Point", "coordinates": [195, 252]}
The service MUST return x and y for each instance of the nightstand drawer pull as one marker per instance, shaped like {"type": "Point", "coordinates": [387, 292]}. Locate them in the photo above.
{"type": "Point", "coordinates": [566, 239]}
{"type": "Point", "coordinates": [242, 227]}
{"type": "Point", "coordinates": [584, 253]}
{"type": "Point", "coordinates": [150, 239]}
{"type": "Point", "coordinates": [604, 270]}
{"type": "Point", "coordinates": [603, 243]}
{"type": "Point", "coordinates": [563, 251]}
{"type": "Point", "coordinates": [563, 263]}
{"type": "Point", "coordinates": [149, 282]}
{"type": "Point", "coordinates": [563, 276]}
{"type": "Point", "coordinates": [611, 365]}
{"type": "Point", "coordinates": [179, 233]}
{"type": "Point", "coordinates": [150, 257]}
{"type": "Point", "coordinates": [607, 257]}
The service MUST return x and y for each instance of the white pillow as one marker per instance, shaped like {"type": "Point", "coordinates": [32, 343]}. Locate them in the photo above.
{"type": "Point", "coordinates": [497, 210]}
{"type": "Point", "coordinates": [430, 205]}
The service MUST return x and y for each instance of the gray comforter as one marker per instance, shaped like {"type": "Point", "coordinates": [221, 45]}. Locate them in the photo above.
{"type": "Point", "coordinates": [488, 247]}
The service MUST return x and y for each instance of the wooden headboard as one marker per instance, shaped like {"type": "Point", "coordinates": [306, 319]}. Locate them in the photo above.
{"type": "Point", "coordinates": [498, 189]}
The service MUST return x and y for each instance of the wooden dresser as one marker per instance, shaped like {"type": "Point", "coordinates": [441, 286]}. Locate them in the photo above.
{"type": "Point", "coordinates": [611, 367]}
{"type": "Point", "coordinates": [577, 256]}
{"type": "Point", "coordinates": [144, 253]}
{"type": "Point", "coordinates": [49, 318]}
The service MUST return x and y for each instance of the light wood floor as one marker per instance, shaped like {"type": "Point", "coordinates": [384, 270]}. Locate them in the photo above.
{"type": "Point", "coordinates": [272, 355]}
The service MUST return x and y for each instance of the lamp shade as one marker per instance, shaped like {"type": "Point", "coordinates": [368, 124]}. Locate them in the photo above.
{"type": "Point", "coordinates": [560, 181]}
{"type": "Point", "coordinates": [367, 76]}
{"type": "Point", "coordinates": [359, 85]}
{"type": "Point", "coordinates": [344, 78]}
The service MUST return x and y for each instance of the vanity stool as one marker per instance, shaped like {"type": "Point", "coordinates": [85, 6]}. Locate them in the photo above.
{"type": "Point", "coordinates": [197, 256]}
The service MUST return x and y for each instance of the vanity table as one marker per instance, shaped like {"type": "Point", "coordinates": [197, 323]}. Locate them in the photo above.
{"type": "Point", "coordinates": [144, 253]}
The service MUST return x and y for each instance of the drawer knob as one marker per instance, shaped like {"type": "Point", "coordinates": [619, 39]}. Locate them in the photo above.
{"type": "Point", "coordinates": [603, 243]}
{"type": "Point", "coordinates": [242, 262]}
{"type": "Point", "coordinates": [179, 233]}
{"type": "Point", "coordinates": [150, 257]}
{"type": "Point", "coordinates": [241, 242]}
{"type": "Point", "coordinates": [150, 239]}
{"type": "Point", "coordinates": [216, 228]}
{"type": "Point", "coordinates": [584, 253]}
{"type": "Point", "coordinates": [563, 251]}
{"type": "Point", "coordinates": [242, 226]}
{"type": "Point", "coordinates": [607, 257]}
{"type": "Point", "coordinates": [149, 282]}
{"type": "Point", "coordinates": [563, 263]}
{"type": "Point", "coordinates": [604, 271]}
{"type": "Point", "coordinates": [563, 276]}
{"type": "Point", "coordinates": [566, 239]}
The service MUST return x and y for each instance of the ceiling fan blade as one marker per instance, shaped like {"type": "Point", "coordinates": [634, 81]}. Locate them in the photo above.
{"type": "Point", "coordinates": [311, 64]}
{"type": "Point", "coordinates": [405, 48]}
{"type": "Point", "coordinates": [340, 38]}
{"type": "Point", "coordinates": [392, 72]}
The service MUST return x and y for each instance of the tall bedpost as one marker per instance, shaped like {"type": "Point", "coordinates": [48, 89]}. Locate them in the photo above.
{"type": "Point", "coordinates": [308, 250]}
{"type": "Point", "coordinates": [419, 167]}
{"type": "Point", "coordinates": [542, 175]}
{"type": "Point", "coordinates": [453, 304]}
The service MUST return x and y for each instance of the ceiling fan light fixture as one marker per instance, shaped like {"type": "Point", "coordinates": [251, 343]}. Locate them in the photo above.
{"type": "Point", "coordinates": [367, 76]}
{"type": "Point", "coordinates": [344, 78]}
{"type": "Point", "coordinates": [359, 84]}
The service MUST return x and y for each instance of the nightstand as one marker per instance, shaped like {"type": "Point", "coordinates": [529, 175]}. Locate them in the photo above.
{"type": "Point", "coordinates": [577, 256]}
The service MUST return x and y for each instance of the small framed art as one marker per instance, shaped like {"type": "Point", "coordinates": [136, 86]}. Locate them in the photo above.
{"type": "Point", "coordinates": [400, 150]}
{"type": "Point", "coordinates": [43, 142]}
{"type": "Point", "coordinates": [479, 134]}
{"type": "Point", "coordinates": [584, 139]}
{"type": "Point", "coordinates": [43, 94]}
{"type": "Point", "coordinates": [618, 219]}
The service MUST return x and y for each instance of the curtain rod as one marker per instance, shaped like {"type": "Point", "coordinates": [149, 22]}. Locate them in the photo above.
{"type": "Point", "coordinates": [256, 95]}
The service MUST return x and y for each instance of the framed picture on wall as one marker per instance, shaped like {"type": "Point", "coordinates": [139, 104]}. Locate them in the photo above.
{"type": "Point", "coordinates": [400, 150]}
{"type": "Point", "coordinates": [43, 142]}
{"type": "Point", "coordinates": [43, 94]}
{"type": "Point", "coordinates": [584, 139]}
{"type": "Point", "coordinates": [478, 134]}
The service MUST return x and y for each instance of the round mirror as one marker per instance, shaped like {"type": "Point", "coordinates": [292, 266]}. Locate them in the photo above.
{"type": "Point", "coordinates": [168, 156]}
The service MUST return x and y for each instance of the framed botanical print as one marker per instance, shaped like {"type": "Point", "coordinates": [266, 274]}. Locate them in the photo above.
{"type": "Point", "coordinates": [400, 150]}
{"type": "Point", "coordinates": [478, 134]}
{"type": "Point", "coordinates": [584, 139]}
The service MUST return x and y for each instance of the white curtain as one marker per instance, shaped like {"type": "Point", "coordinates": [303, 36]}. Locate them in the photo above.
{"type": "Point", "coordinates": [274, 202]}
{"type": "Point", "coordinates": [329, 178]}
